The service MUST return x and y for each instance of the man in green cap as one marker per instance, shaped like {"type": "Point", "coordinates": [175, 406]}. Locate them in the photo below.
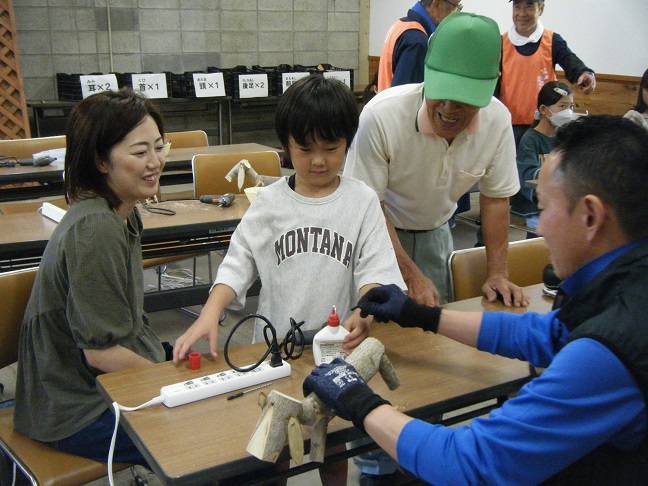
{"type": "Point", "coordinates": [422, 146]}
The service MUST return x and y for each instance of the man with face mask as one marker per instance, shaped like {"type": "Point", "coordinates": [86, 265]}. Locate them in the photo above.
{"type": "Point", "coordinates": [529, 56]}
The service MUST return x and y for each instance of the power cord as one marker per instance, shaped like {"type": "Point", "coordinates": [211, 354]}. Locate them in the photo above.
{"type": "Point", "coordinates": [117, 409]}
{"type": "Point", "coordinates": [274, 348]}
{"type": "Point", "coordinates": [294, 338]}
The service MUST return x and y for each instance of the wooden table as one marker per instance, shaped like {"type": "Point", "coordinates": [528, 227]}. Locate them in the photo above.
{"type": "Point", "coordinates": [49, 178]}
{"type": "Point", "coordinates": [205, 441]}
{"type": "Point", "coordinates": [539, 303]}
{"type": "Point", "coordinates": [196, 227]}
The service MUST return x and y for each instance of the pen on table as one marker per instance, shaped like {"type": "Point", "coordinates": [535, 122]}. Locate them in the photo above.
{"type": "Point", "coordinates": [240, 394]}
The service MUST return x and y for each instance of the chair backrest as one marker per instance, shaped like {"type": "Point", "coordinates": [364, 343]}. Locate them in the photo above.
{"type": "Point", "coordinates": [467, 268]}
{"type": "Point", "coordinates": [209, 170]}
{"type": "Point", "coordinates": [15, 289]}
{"type": "Point", "coordinates": [25, 148]}
{"type": "Point", "coordinates": [192, 138]}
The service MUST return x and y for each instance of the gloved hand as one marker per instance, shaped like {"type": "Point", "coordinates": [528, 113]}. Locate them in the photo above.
{"type": "Point", "coordinates": [343, 390]}
{"type": "Point", "coordinates": [390, 303]}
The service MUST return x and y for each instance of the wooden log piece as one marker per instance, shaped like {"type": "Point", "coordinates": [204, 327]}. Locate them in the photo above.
{"type": "Point", "coordinates": [282, 415]}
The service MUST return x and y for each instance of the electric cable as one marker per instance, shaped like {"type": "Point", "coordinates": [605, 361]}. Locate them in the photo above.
{"type": "Point", "coordinates": [117, 408]}
{"type": "Point", "coordinates": [294, 337]}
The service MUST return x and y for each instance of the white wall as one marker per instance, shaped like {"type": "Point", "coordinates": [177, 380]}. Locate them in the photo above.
{"type": "Point", "coordinates": [610, 36]}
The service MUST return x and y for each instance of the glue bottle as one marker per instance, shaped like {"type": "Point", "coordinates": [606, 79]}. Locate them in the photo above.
{"type": "Point", "coordinates": [327, 343]}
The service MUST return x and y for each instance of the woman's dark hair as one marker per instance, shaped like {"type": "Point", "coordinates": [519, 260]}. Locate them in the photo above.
{"type": "Point", "coordinates": [550, 93]}
{"type": "Point", "coordinates": [95, 125]}
{"type": "Point", "coordinates": [316, 107]}
{"type": "Point", "coordinates": [641, 106]}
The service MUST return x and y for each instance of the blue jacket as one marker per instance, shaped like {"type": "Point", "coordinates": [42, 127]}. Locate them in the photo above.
{"type": "Point", "coordinates": [410, 49]}
{"type": "Point", "coordinates": [585, 398]}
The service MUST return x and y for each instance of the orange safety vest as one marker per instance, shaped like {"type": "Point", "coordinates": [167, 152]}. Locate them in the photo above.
{"type": "Point", "coordinates": [523, 76]}
{"type": "Point", "coordinates": [385, 67]}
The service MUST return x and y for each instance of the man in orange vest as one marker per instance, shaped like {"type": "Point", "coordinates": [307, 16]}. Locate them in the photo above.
{"type": "Point", "coordinates": [529, 54]}
{"type": "Point", "coordinates": [404, 49]}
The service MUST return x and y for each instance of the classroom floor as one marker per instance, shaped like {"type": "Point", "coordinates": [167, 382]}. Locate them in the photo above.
{"type": "Point", "coordinates": [172, 323]}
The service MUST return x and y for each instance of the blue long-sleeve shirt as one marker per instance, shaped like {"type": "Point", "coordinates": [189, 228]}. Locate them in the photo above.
{"type": "Point", "coordinates": [408, 58]}
{"type": "Point", "coordinates": [584, 398]}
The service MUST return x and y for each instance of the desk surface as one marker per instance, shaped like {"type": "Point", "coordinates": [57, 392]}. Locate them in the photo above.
{"type": "Point", "coordinates": [177, 159]}
{"type": "Point", "coordinates": [27, 234]}
{"type": "Point", "coordinates": [206, 440]}
{"type": "Point", "coordinates": [539, 303]}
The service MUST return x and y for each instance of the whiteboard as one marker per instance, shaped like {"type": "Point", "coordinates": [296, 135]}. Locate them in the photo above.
{"type": "Point", "coordinates": [610, 36]}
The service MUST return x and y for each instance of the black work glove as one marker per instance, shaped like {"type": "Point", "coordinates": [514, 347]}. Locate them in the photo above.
{"type": "Point", "coordinates": [343, 390]}
{"type": "Point", "coordinates": [390, 303]}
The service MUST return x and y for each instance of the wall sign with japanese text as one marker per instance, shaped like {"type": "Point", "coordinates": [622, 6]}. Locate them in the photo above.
{"type": "Point", "coordinates": [289, 78]}
{"type": "Point", "coordinates": [253, 85]}
{"type": "Point", "coordinates": [153, 85]}
{"type": "Point", "coordinates": [209, 84]}
{"type": "Point", "coordinates": [95, 83]}
{"type": "Point", "coordinates": [344, 76]}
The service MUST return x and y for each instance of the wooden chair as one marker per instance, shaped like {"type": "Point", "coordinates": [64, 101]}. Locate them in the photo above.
{"type": "Point", "coordinates": [25, 148]}
{"type": "Point", "coordinates": [192, 138]}
{"type": "Point", "coordinates": [188, 139]}
{"type": "Point", "coordinates": [209, 170]}
{"type": "Point", "coordinates": [42, 464]}
{"type": "Point", "coordinates": [467, 268]}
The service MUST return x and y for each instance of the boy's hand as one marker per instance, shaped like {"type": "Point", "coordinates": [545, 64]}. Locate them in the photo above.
{"type": "Point", "coordinates": [359, 329]}
{"type": "Point", "coordinates": [203, 328]}
{"type": "Point", "coordinates": [343, 390]}
{"type": "Point", "coordinates": [390, 303]}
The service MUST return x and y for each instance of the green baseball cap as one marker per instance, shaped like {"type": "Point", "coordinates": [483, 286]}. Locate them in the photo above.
{"type": "Point", "coordinates": [463, 60]}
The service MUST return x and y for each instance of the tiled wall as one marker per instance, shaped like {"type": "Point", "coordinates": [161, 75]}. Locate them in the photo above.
{"type": "Point", "coordinates": [72, 36]}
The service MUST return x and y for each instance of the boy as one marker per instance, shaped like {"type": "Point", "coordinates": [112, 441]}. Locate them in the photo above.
{"type": "Point", "coordinates": [316, 239]}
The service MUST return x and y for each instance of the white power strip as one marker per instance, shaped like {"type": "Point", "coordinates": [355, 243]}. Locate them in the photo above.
{"type": "Point", "coordinates": [52, 212]}
{"type": "Point", "coordinates": [219, 383]}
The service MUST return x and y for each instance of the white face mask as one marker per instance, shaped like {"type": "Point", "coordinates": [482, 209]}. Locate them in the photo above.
{"type": "Point", "coordinates": [561, 118]}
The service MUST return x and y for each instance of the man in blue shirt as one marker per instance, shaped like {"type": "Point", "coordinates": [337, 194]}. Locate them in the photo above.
{"type": "Point", "coordinates": [403, 53]}
{"type": "Point", "coordinates": [583, 420]}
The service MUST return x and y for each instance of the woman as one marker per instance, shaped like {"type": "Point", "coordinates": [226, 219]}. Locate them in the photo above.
{"type": "Point", "coordinates": [555, 107]}
{"type": "Point", "coordinates": [639, 114]}
{"type": "Point", "coordinates": [85, 316]}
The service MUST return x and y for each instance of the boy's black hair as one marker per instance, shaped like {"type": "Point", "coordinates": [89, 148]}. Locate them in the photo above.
{"type": "Point", "coordinates": [316, 107]}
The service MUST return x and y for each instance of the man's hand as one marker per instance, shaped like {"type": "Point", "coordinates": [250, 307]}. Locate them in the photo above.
{"type": "Point", "coordinates": [343, 390]}
{"type": "Point", "coordinates": [497, 286]}
{"type": "Point", "coordinates": [390, 303]}
{"type": "Point", "coordinates": [587, 82]}
{"type": "Point", "coordinates": [422, 290]}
